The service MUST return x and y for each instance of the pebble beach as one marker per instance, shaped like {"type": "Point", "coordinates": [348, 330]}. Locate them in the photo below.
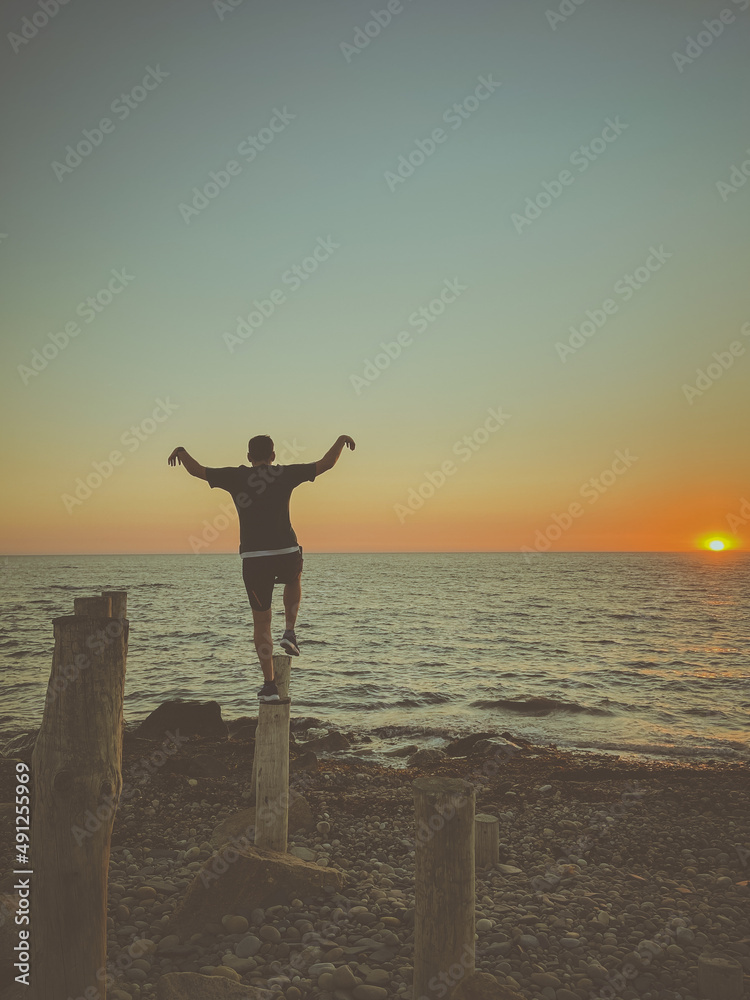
{"type": "Point", "coordinates": [616, 873]}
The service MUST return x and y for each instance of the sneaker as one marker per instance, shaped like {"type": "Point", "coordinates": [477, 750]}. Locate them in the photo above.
{"type": "Point", "coordinates": [269, 692]}
{"type": "Point", "coordinates": [289, 642]}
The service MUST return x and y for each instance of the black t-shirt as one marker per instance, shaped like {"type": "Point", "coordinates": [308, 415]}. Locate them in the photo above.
{"type": "Point", "coordinates": [261, 495]}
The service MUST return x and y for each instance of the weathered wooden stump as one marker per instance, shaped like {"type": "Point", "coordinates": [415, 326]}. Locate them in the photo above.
{"type": "Point", "coordinates": [720, 978]}
{"type": "Point", "coordinates": [281, 671]}
{"type": "Point", "coordinates": [486, 840]}
{"type": "Point", "coordinates": [272, 790]}
{"type": "Point", "coordinates": [443, 883]}
{"type": "Point", "coordinates": [77, 776]}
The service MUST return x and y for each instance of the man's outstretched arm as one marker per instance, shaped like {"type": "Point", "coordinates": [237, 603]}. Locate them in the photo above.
{"type": "Point", "coordinates": [193, 467]}
{"type": "Point", "coordinates": [332, 455]}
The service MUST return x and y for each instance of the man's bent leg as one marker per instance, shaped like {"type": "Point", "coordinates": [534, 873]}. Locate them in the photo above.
{"type": "Point", "coordinates": [292, 598]}
{"type": "Point", "coordinates": [263, 641]}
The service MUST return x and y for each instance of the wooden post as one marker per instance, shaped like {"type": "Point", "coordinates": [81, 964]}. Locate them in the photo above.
{"type": "Point", "coordinates": [486, 840]}
{"type": "Point", "coordinates": [76, 771]}
{"type": "Point", "coordinates": [719, 978]}
{"type": "Point", "coordinates": [94, 607]}
{"type": "Point", "coordinates": [281, 672]}
{"type": "Point", "coordinates": [282, 668]}
{"type": "Point", "coordinates": [272, 793]}
{"type": "Point", "coordinates": [443, 883]}
{"type": "Point", "coordinates": [119, 602]}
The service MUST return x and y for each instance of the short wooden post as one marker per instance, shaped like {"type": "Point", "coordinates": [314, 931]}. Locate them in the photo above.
{"type": "Point", "coordinates": [443, 883]}
{"type": "Point", "coordinates": [94, 607]}
{"type": "Point", "coordinates": [272, 792]}
{"type": "Point", "coordinates": [719, 978]}
{"type": "Point", "coordinates": [76, 772]}
{"type": "Point", "coordinates": [119, 600]}
{"type": "Point", "coordinates": [281, 672]}
{"type": "Point", "coordinates": [486, 840]}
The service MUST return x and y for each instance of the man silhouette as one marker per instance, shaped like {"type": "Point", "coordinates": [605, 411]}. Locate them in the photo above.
{"type": "Point", "coordinates": [268, 544]}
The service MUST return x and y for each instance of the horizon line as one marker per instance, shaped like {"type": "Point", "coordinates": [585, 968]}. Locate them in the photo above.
{"type": "Point", "coordinates": [395, 552]}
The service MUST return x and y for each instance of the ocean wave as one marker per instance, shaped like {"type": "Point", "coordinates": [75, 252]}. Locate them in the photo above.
{"type": "Point", "coordinates": [540, 706]}
{"type": "Point", "coordinates": [424, 698]}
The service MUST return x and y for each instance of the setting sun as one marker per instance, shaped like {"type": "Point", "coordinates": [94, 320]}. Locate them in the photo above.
{"type": "Point", "coordinates": [716, 544]}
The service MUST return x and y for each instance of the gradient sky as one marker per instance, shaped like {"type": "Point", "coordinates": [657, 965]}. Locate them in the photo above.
{"type": "Point", "coordinates": [323, 177]}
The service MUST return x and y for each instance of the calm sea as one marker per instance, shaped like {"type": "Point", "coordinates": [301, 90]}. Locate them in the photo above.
{"type": "Point", "coordinates": [630, 652]}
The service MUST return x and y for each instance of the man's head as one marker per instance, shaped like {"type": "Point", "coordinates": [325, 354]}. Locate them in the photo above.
{"type": "Point", "coordinates": [260, 449]}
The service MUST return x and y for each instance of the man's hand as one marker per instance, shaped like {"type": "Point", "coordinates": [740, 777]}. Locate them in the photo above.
{"type": "Point", "coordinates": [179, 455]}
{"type": "Point", "coordinates": [332, 455]}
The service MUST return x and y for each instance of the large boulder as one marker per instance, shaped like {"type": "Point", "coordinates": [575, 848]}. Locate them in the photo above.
{"type": "Point", "coordinates": [242, 823]}
{"type": "Point", "coordinates": [482, 986]}
{"type": "Point", "coordinates": [241, 878]}
{"type": "Point", "coordinates": [426, 757]}
{"type": "Point", "coordinates": [192, 718]}
{"type": "Point", "coordinates": [463, 746]}
{"type": "Point", "coordinates": [333, 740]}
{"type": "Point", "coordinates": [194, 986]}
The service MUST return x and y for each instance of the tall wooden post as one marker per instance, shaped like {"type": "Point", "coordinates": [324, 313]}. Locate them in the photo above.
{"type": "Point", "coordinates": [443, 883]}
{"type": "Point", "coordinates": [486, 840]}
{"type": "Point", "coordinates": [272, 792]}
{"type": "Point", "coordinates": [119, 600]}
{"type": "Point", "coordinates": [76, 772]}
{"type": "Point", "coordinates": [281, 672]}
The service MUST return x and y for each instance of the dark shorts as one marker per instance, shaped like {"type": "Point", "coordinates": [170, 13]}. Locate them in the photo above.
{"type": "Point", "coordinates": [260, 573]}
